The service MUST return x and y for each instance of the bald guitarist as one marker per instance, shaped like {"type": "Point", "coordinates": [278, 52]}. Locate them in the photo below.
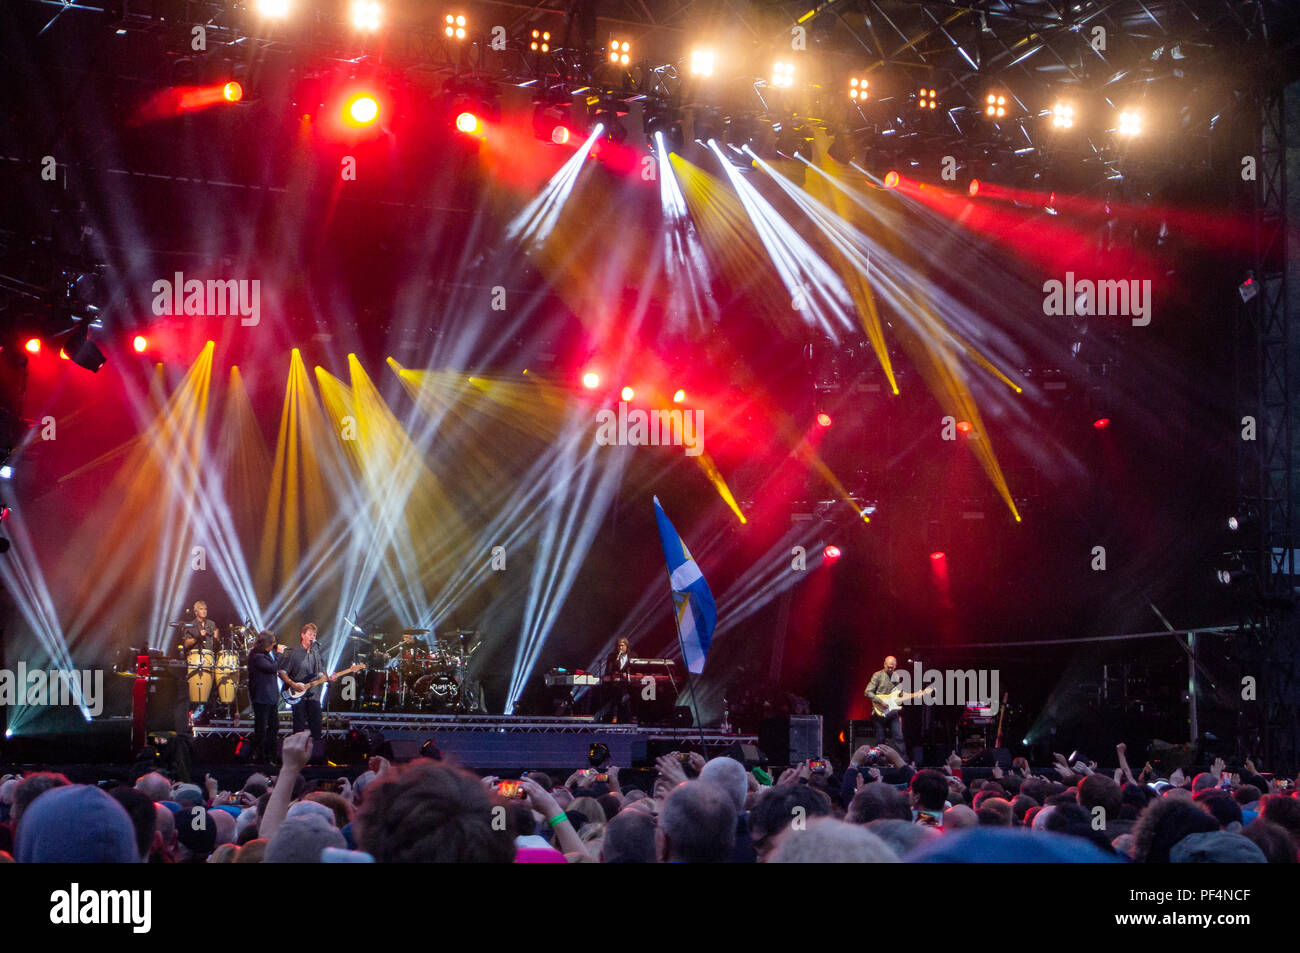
{"type": "Point", "coordinates": [886, 704]}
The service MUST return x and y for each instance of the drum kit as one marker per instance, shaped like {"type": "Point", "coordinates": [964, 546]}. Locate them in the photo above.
{"type": "Point", "coordinates": [223, 668]}
{"type": "Point", "coordinates": [414, 675]}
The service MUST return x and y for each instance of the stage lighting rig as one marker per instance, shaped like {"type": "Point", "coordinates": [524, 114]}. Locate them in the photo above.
{"type": "Point", "coordinates": [367, 15]}
{"type": "Point", "coordinates": [620, 53]}
{"type": "Point", "coordinates": [663, 120]}
{"type": "Point", "coordinates": [1063, 116]}
{"type": "Point", "coordinates": [1130, 123]}
{"type": "Point", "coordinates": [782, 74]}
{"type": "Point", "coordinates": [541, 41]}
{"type": "Point", "coordinates": [273, 9]}
{"type": "Point", "coordinates": [609, 115]}
{"type": "Point", "coordinates": [995, 105]}
{"type": "Point", "coordinates": [455, 26]}
{"type": "Point", "coordinates": [927, 98]}
{"type": "Point", "coordinates": [552, 122]}
{"type": "Point", "coordinates": [859, 89]}
{"type": "Point", "coordinates": [702, 62]}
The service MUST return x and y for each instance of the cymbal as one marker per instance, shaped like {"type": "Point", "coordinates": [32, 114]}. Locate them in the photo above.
{"type": "Point", "coordinates": [358, 638]}
{"type": "Point", "coordinates": [415, 631]}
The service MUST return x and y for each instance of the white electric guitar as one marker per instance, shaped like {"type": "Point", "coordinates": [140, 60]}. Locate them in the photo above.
{"type": "Point", "coordinates": [291, 698]}
{"type": "Point", "coordinates": [883, 705]}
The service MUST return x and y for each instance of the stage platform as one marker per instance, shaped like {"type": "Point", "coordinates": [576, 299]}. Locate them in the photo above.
{"type": "Point", "coordinates": [487, 742]}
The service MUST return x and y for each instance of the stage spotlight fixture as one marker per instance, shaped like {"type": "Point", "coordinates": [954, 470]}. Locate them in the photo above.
{"type": "Point", "coordinates": [832, 553]}
{"type": "Point", "coordinates": [974, 188]}
{"type": "Point", "coordinates": [32, 346]}
{"type": "Point", "coordinates": [140, 343]}
{"type": "Point", "coordinates": [783, 75]}
{"type": "Point", "coordinates": [627, 393]}
{"type": "Point", "coordinates": [551, 123]}
{"type": "Point", "coordinates": [541, 42]}
{"type": "Point", "coordinates": [859, 89]}
{"type": "Point", "coordinates": [607, 116]}
{"type": "Point", "coordinates": [702, 62]}
{"type": "Point", "coordinates": [1130, 123]}
{"type": "Point", "coordinates": [1062, 116]}
{"type": "Point", "coordinates": [468, 123]}
{"type": "Point", "coordinates": [82, 350]}
{"type": "Point", "coordinates": [273, 9]}
{"type": "Point", "coordinates": [6, 473]}
{"type": "Point", "coordinates": [995, 105]}
{"type": "Point", "coordinates": [841, 148]}
{"type": "Point", "coordinates": [367, 15]}
{"type": "Point", "coordinates": [361, 109]}
{"type": "Point", "coordinates": [455, 26]}
{"type": "Point", "coordinates": [891, 179]}
{"type": "Point", "coordinates": [1101, 423]}
{"type": "Point", "coordinates": [823, 419]}
{"type": "Point", "coordinates": [679, 396]}
{"type": "Point", "coordinates": [591, 380]}
{"type": "Point", "coordinates": [232, 92]}
{"type": "Point", "coordinates": [620, 53]}
{"type": "Point", "coordinates": [938, 556]}
{"type": "Point", "coordinates": [927, 97]}
{"type": "Point", "coordinates": [963, 426]}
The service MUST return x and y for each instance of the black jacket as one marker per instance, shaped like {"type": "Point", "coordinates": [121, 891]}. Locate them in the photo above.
{"type": "Point", "coordinates": [263, 683]}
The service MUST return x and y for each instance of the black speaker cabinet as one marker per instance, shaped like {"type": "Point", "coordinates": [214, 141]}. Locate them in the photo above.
{"type": "Point", "coordinates": [791, 739]}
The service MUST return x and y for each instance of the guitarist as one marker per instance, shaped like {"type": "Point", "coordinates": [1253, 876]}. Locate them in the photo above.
{"type": "Point", "coordinates": [878, 690]}
{"type": "Point", "coordinates": [300, 665]}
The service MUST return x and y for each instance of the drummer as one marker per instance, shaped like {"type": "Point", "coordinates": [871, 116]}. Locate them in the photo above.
{"type": "Point", "coordinates": [409, 641]}
{"type": "Point", "coordinates": [198, 635]}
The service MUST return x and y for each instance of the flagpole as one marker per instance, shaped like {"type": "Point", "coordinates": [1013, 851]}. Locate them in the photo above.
{"type": "Point", "coordinates": [681, 646]}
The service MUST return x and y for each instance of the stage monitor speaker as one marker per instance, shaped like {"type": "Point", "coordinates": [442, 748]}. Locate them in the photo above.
{"type": "Point", "coordinates": [748, 755]}
{"type": "Point", "coordinates": [791, 739]}
{"type": "Point", "coordinates": [398, 750]}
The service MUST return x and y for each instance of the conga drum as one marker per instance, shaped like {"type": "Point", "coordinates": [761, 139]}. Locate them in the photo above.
{"type": "Point", "coordinates": [227, 675]}
{"type": "Point", "coordinates": [198, 672]}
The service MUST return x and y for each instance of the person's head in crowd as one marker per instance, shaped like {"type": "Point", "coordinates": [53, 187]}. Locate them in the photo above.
{"type": "Point", "coordinates": [1099, 791]}
{"type": "Point", "coordinates": [877, 801]}
{"type": "Point", "coordinates": [1178, 794]}
{"type": "Point", "coordinates": [729, 775]}
{"type": "Point", "coordinates": [1203, 782]}
{"type": "Point", "coordinates": [542, 779]}
{"type": "Point", "coordinates": [256, 786]}
{"type": "Point", "coordinates": [1073, 820]}
{"type": "Point", "coordinates": [1247, 795]}
{"type": "Point", "coordinates": [585, 810]}
{"type": "Point", "coordinates": [1008, 845]}
{"type": "Point", "coordinates": [903, 837]}
{"type": "Point", "coordinates": [1284, 811]}
{"type": "Point", "coordinates": [592, 837]}
{"type": "Point", "coordinates": [301, 839]}
{"type": "Point", "coordinates": [995, 811]}
{"type": "Point", "coordinates": [985, 794]}
{"type": "Point", "coordinates": [224, 854]}
{"type": "Point", "coordinates": [187, 795]}
{"type": "Point", "coordinates": [154, 786]}
{"type": "Point", "coordinates": [959, 816]}
{"type": "Point", "coordinates": [337, 804]}
{"type": "Point", "coordinates": [29, 789]}
{"type": "Point", "coordinates": [632, 837]}
{"type": "Point", "coordinates": [629, 797]}
{"type": "Point", "coordinates": [196, 835]}
{"type": "Point", "coordinates": [223, 822]}
{"type": "Point", "coordinates": [254, 852]}
{"type": "Point", "coordinates": [609, 804]}
{"type": "Point", "coordinates": [245, 835]}
{"type": "Point", "coordinates": [828, 841]}
{"type": "Point", "coordinates": [143, 814]}
{"type": "Point", "coordinates": [1123, 845]}
{"type": "Point", "coordinates": [1031, 816]}
{"type": "Point", "coordinates": [1216, 847]}
{"type": "Point", "coordinates": [1274, 841]}
{"type": "Point", "coordinates": [75, 823]}
{"type": "Point", "coordinates": [1037, 788]}
{"type": "Point", "coordinates": [431, 812]}
{"type": "Point", "coordinates": [777, 807]}
{"type": "Point", "coordinates": [957, 792]}
{"type": "Point", "coordinates": [1163, 824]}
{"type": "Point", "coordinates": [305, 807]}
{"type": "Point", "coordinates": [1136, 798]}
{"type": "Point", "coordinates": [1220, 806]}
{"type": "Point", "coordinates": [699, 824]}
{"type": "Point", "coordinates": [164, 840]}
{"type": "Point", "coordinates": [929, 790]}
{"type": "Point", "coordinates": [1062, 797]}
{"type": "Point", "coordinates": [1020, 807]}
{"type": "Point", "coordinates": [360, 784]}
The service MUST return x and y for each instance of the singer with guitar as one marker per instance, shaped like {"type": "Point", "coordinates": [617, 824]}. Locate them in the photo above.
{"type": "Point", "coordinates": [302, 665]}
{"type": "Point", "coordinates": [886, 701]}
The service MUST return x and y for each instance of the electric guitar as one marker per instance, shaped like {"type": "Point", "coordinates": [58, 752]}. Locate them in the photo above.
{"type": "Point", "coordinates": [883, 705]}
{"type": "Point", "coordinates": [291, 698]}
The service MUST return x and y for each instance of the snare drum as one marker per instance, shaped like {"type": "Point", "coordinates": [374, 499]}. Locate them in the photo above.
{"type": "Point", "coordinates": [227, 675]}
{"type": "Point", "coordinates": [199, 675]}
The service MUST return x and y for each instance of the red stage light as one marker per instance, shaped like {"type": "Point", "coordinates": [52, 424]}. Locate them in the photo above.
{"type": "Point", "coordinates": [1101, 423]}
{"type": "Point", "coordinates": [627, 393]}
{"type": "Point", "coordinates": [560, 135]}
{"type": "Point", "coordinates": [974, 188]}
{"type": "Point", "coordinates": [591, 380]}
{"type": "Point", "coordinates": [33, 345]}
{"type": "Point", "coordinates": [964, 426]}
{"type": "Point", "coordinates": [468, 123]}
{"type": "Point", "coordinates": [362, 110]}
{"type": "Point", "coordinates": [139, 342]}
{"type": "Point", "coordinates": [232, 92]}
{"type": "Point", "coordinates": [679, 396]}
{"type": "Point", "coordinates": [891, 180]}
{"type": "Point", "coordinates": [831, 552]}
{"type": "Point", "coordinates": [938, 556]}
{"type": "Point", "coordinates": [824, 419]}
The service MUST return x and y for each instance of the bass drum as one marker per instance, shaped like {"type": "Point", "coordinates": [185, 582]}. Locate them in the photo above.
{"type": "Point", "coordinates": [227, 673]}
{"type": "Point", "coordinates": [198, 672]}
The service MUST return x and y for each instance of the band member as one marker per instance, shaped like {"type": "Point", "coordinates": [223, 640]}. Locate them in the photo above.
{"type": "Point", "coordinates": [264, 692]}
{"type": "Point", "coordinates": [299, 666]}
{"type": "Point", "coordinates": [199, 635]}
{"type": "Point", "coordinates": [618, 701]}
{"type": "Point", "coordinates": [878, 689]}
{"type": "Point", "coordinates": [619, 659]}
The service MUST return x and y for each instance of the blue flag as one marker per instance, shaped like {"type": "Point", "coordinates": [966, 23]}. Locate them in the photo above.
{"type": "Point", "coordinates": [697, 613]}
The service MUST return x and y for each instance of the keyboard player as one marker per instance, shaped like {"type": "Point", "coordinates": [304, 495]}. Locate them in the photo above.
{"type": "Point", "coordinates": [618, 687]}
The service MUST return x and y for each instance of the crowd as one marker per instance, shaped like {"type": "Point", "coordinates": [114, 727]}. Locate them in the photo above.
{"type": "Point", "coordinates": [878, 809]}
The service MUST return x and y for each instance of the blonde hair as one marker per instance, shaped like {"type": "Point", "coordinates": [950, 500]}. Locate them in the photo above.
{"type": "Point", "coordinates": [309, 625]}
